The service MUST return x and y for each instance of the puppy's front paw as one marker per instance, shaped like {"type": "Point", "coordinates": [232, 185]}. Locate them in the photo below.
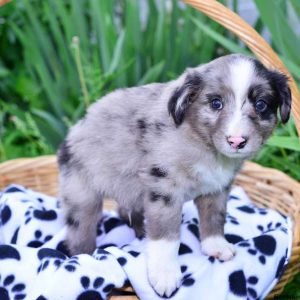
{"type": "Point", "coordinates": [164, 277]}
{"type": "Point", "coordinates": [218, 247]}
{"type": "Point", "coordinates": [163, 267]}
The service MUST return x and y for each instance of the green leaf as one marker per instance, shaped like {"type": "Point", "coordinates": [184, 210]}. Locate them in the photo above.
{"type": "Point", "coordinates": [152, 74]}
{"type": "Point", "coordinates": [54, 123]}
{"type": "Point", "coordinates": [225, 42]}
{"type": "Point", "coordinates": [117, 53]}
{"type": "Point", "coordinates": [291, 143]}
{"type": "Point", "coordinates": [273, 14]}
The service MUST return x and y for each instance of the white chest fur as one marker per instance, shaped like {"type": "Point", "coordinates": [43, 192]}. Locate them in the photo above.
{"type": "Point", "coordinates": [213, 175]}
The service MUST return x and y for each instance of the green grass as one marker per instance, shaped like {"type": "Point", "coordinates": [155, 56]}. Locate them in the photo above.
{"type": "Point", "coordinates": [57, 57]}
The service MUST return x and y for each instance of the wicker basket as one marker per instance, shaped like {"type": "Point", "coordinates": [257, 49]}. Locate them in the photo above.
{"type": "Point", "coordinates": [266, 187]}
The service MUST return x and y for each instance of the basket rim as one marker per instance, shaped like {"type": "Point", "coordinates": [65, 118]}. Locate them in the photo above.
{"type": "Point", "coordinates": [38, 161]}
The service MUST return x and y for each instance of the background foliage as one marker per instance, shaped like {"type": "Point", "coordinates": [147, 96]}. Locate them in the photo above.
{"type": "Point", "coordinates": [56, 57]}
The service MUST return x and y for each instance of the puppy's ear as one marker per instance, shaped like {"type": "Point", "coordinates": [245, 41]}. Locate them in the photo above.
{"type": "Point", "coordinates": [280, 84]}
{"type": "Point", "coordinates": [183, 96]}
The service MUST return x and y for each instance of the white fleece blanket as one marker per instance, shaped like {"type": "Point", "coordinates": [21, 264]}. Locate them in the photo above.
{"type": "Point", "coordinates": [34, 263]}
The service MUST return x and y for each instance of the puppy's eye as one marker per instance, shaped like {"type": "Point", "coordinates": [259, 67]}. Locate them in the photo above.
{"type": "Point", "coordinates": [261, 106]}
{"type": "Point", "coordinates": [216, 104]}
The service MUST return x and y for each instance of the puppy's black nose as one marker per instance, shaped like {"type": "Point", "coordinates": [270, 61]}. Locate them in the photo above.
{"type": "Point", "coordinates": [237, 142]}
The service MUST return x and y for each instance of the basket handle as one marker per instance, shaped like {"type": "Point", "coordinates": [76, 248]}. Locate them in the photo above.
{"type": "Point", "coordinates": [2, 2]}
{"type": "Point", "coordinates": [253, 40]}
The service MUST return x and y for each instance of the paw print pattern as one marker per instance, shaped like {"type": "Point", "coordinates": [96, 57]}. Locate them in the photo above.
{"type": "Point", "coordinates": [40, 214]}
{"type": "Point", "coordinates": [112, 223]}
{"type": "Point", "coordinates": [9, 252]}
{"type": "Point", "coordinates": [15, 236]}
{"type": "Point", "coordinates": [241, 286]}
{"type": "Point", "coordinates": [44, 265]}
{"type": "Point", "coordinates": [187, 279]}
{"type": "Point", "coordinates": [233, 238]}
{"type": "Point", "coordinates": [5, 214]}
{"type": "Point", "coordinates": [9, 290]}
{"type": "Point", "coordinates": [184, 249]}
{"type": "Point", "coordinates": [263, 246]}
{"type": "Point", "coordinates": [193, 227]}
{"type": "Point", "coordinates": [231, 219]}
{"type": "Point", "coordinates": [122, 261]}
{"type": "Point", "coordinates": [100, 254]}
{"type": "Point", "coordinates": [281, 267]}
{"type": "Point", "coordinates": [269, 227]}
{"type": "Point", "coordinates": [71, 264]}
{"type": "Point", "coordinates": [13, 189]}
{"type": "Point", "coordinates": [39, 241]}
{"type": "Point", "coordinates": [91, 290]}
{"type": "Point", "coordinates": [212, 259]}
{"type": "Point", "coordinates": [46, 256]}
{"type": "Point", "coordinates": [250, 209]}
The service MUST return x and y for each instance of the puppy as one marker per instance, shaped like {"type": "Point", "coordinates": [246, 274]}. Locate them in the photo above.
{"type": "Point", "coordinates": [155, 146]}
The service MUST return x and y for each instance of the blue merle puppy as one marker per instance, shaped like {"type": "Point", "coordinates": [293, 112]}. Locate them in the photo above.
{"type": "Point", "coordinates": [156, 146]}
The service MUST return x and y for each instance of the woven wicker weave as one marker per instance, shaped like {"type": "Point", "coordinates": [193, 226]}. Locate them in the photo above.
{"type": "Point", "coordinates": [266, 187]}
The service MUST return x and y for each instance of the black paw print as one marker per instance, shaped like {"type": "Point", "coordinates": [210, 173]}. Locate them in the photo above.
{"type": "Point", "coordinates": [112, 223]}
{"type": "Point", "coordinates": [233, 238]}
{"type": "Point", "coordinates": [251, 209]}
{"type": "Point", "coordinates": [9, 252]}
{"type": "Point", "coordinates": [40, 214]}
{"type": "Point", "coordinates": [14, 189]}
{"type": "Point", "coordinates": [212, 259]}
{"type": "Point", "coordinates": [91, 290]}
{"type": "Point", "coordinates": [269, 227]}
{"type": "Point", "coordinates": [241, 286]}
{"type": "Point", "coordinates": [100, 254]}
{"type": "Point", "coordinates": [39, 241]}
{"type": "Point", "coordinates": [263, 246]}
{"type": "Point", "coordinates": [47, 256]}
{"type": "Point", "coordinates": [193, 227]}
{"type": "Point", "coordinates": [282, 265]}
{"type": "Point", "coordinates": [71, 264]}
{"type": "Point", "coordinates": [44, 265]}
{"type": "Point", "coordinates": [231, 219]}
{"type": "Point", "coordinates": [9, 290]}
{"type": "Point", "coordinates": [187, 279]}
{"type": "Point", "coordinates": [5, 214]}
{"type": "Point", "coordinates": [41, 297]}
{"type": "Point", "coordinates": [122, 261]}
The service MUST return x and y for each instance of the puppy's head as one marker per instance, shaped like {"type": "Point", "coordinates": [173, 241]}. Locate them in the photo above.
{"type": "Point", "coordinates": [231, 103]}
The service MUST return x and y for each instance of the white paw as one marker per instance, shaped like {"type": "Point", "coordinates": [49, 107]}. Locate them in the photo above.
{"type": "Point", "coordinates": [164, 277]}
{"type": "Point", "coordinates": [163, 267]}
{"type": "Point", "coordinates": [218, 247]}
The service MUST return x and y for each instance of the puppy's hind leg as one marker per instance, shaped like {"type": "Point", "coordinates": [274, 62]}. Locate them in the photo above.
{"type": "Point", "coordinates": [134, 219]}
{"type": "Point", "coordinates": [82, 207]}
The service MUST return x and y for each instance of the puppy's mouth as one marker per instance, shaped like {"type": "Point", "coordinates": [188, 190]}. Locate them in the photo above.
{"type": "Point", "coordinates": [239, 153]}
